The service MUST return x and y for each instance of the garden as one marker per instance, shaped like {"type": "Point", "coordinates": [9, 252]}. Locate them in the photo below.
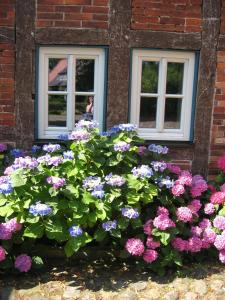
{"type": "Point", "coordinates": [107, 192]}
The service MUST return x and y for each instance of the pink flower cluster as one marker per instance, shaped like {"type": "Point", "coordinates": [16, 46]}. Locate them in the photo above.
{"type": "Point", "coordinates": [184, 214]}
{"type": "Point", "coordinates": [217, 198]}
{"type": "Point", "coordinates": [8, 228]}
{"type": "Point", "coordinates": [163, 221]}
{"type": "Point", "coordinates": [135, 247]}
{"type": "Point", "coordinates": [174, 168]}
{"type": "Point", "coordinates": [23, 263]}
{"type": "Point", "coordinates": [56, 182]}
{"type": "Point", "coordinates": [198, 186]}
{"type": "Point", "coordinates": [2, 254]}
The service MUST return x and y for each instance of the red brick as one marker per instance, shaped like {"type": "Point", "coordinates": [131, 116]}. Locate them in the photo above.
{"type": "Point", "coordinates": [101, 2]}
{"type": "Point", "coordinates": [50, 16]}
{"type": "Point", "coordinates": [78, 16]}
{"type": "Point", "coordinates": [46, 8]}
{"type": "Point", "coordinates": [96, 9]}
{"type": "Point", "coordinates": [95, 24]}
{"type": "Point", "coordinates": [68, 8]}
{"type": "Point", "coordinates": [75, 2]}
{"type": "Point", "coordinates": [44, 23]}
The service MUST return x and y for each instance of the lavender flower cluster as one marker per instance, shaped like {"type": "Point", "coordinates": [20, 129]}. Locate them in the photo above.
{"type": "Point", "coordinates": [85, 124]}
{"type": "Point", "coordinates": [80, 135]}
{"type": "Point", "coordinates": [56, 182]}
{"type": "Point", "coordinates": [5, 185]}
{"type": "Point", "coordinates": [109, 225]}
{"type": "Point", "coordinates": [50, 160]}
{"type": "Point", "coordinates": [158, 149]}
{"type": "Point", "coordinates": [51, 148]}
{"type": "Point", "coordinates": [121, 146]}
{"type": "Point", "coordinates": [94, 185]}
{"type": "Point", "coordinates": [40, 209]}
{"type": "Point", "coordinates": [130, 213]}
{"type": "Point", "coordinates": [114, 180]}
{"type": "Point", "coordinates": [143, 171]}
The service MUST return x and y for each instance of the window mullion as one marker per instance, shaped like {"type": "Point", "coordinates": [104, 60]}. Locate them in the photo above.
{"type": "Point", "coordinates": [161, 98]}
{"type": "Point", "coordinates": [70, 93]}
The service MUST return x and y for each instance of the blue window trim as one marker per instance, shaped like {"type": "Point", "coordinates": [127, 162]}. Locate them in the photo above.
{"type": "Point", "coordinates": [104, 110]}
{"type": "Point", "coordinates": [194, 95]}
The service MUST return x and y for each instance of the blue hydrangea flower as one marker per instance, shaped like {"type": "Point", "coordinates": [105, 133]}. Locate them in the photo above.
{"type": "Point", "coordinates": [158, 166]}
{"type": "Point", "coordinates": [51, 147]}
{"type": "Point", "coordinates": [75, 231]}
{"type": "Point", "coordinates": [98, 194]}
{"type": "Point", "coordinates": [166, 181]}
{"type": "Point", "coordinates": [127, 127]}
{"type": "Point", "coordinates": [87, 124]}
{"type": "Point", "coordinates": [68, 155]}
{"type": "Point", "coordinates": [158, 149]}
{"type": "Point", "coordinates": [5, 185]}
{"type": "Point", "coordinates": [109, 225]}
{"type": "Point", "coordinates": [35, 149]}
{"type": "Point", "coordinates": [16, 152]}
{"type": "Point", "coordinates": [63, 137]}
{"type": "Point", "coordinates": [92, 183]}
{"type": "Point", "coordinates": [142, 171]}
{"type": "Point", "coordinates": [131, 213]}
{"type": "Point", "coordinates": [40, 209]}
{"type": "Point", "coordinates": [121, 146]}
{"type": "Point", "coordinates": [115, 180]}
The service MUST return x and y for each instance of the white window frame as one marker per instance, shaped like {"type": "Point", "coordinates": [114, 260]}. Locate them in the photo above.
{"type": "Point", "coordinates": [71, 53]}
{"type": "Point", "coordinates": [162, 56]}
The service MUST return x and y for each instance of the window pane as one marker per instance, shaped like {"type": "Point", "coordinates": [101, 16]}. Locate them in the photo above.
{"type": "Point", "coordinates": [85, 75]}
{"type": "Point", "coordinates": [172, 113]}
{"type": "Point", "coordinates": [148, 112]}
{"type": "Point", "coordinates": [149, 81]}
{"type": "Point", "coordinates": [57, 74]}
{"type": "Point", "coordinates": [175, 73]}
{"type": "Point", "coordinates": [57, 110]}
{"type": "Point", "coordinates": [84, 108]}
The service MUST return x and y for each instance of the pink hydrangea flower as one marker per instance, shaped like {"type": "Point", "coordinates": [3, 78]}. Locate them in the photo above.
{"type": "Point", "coordinates": [184, 214]}
{"type": "Point", "coordinates": [2, 253]}
{"type": "Point", "coordinates": [150, 255]}
{"type": "Point", "coordinates": [221, 163]}
{"type": "Point", "coordinates": [204, 224]}
{"type": "Point", "coordinates": [209, 236]}
{"type": "Point", "coordinates": [13, 226]}
{"type": "Point", "coordinates": [194, 244]}
{"type": "Point", "coordinates": [56, 182]}
{"type": "Point", "coordinates": [199, 185]}
{"type": "Point", "coordinates": [196, 231]}
{"type": "Point", "coordinates": [222, 256]}
{"type": "Point", "coordinates": [220, 242]}
{"type": "Point", "coordinates": [163, 222]}
{"type": "Point", "coordinates": [178, 190]}
{"type": "Point", "coordinates": [219, 222]}
{"type": "Point", "coordinates": [180, 244]}
{"type": "Point", "coordinates": [205, 245]}
{"type": "Point", "coordinates": [185, 178]}
{"type": "Point", "coordinates": [217, 198]}
{"type": "Point", "coordinates": [141, 150]}
{"type": "Point", "coordinates": [195, 206]}
{"type": "Point", "coordinates": [9, 170]}
{"type": "Point", "coordinates": [5, 233]}
{"type": "Point", "coordinates": [173, 168]}
{"type": "Point", "coordinates": [150, 243]}
{"type": "Point", "coordinates": [222, 188]}
{"type": "Point", "coordinates": [23, 263]}
{"type": "Point", "coordinates": [162, 211]}
{"type": "Point", "coordinates": [148, 227]}
{"type": "Point", "coordinates": [209, 209]}
{"type": "Point", "coordinates": [135, 247]}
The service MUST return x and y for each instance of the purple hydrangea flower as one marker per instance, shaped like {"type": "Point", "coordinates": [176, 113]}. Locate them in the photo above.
{"type": "Point", "coordinates": [98, 194]}
{"type": "Point", "coordinates": [68, 155]}
{"type": "Point", "coordinates": [44, 159]}
{"type": "Point", "coordinates": [23, 263]}
{"type": "Point", "coordinates": [75, 231]}
{"type": "Point", "coordinates": [166, 181]}
{"type": "Point", "coordinates": [5, 185]}
{"type": "Point", "coordinates": [51, 148]}
{"type": "Point", "coordinates": [13, 226]}
{"type": "Point", "coordinates": [130, 213]}
{"type": "Point", "coordinates": [121, 146]}
{"type": "Point", "coordinates": [40, 209]}
{"type": "Point", "coordinates": [142, 171]}
{"type": "Point", "coordinates": [63, 137]}
{"type": "Point", "coordinates": [158, 149]}
{"type": "Point", "coordinates": [55, 161]}
{"type": "Point", "coordinates": [57, 182]}
{"type": "Point", "coordinates": [158, 166]}
{"type": "Point", "coordinates": [35, 149]}
{"type": "Point", "coordinates": [5, 233]}
{"type": "Point", "coordinates": [127, 127]}
{"type": "Point", "coordinates": [109, 225]}
{"type": "Point", "coordinates": [115, 180]}
{"type": "Point", "coordinates": [87, 124]}
{"type": "Point", "coordinates": [3, 148]}
{"type": "Point", "coordinates": [25, 163]}
{"type": "Point", "coordinates": [92, 183]}
{"type": "Point", "coordinates": [80, 135]}
{"type": "Point", "coordinates": [16, 152]}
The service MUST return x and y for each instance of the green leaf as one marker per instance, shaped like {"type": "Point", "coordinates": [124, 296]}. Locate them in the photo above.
{"type": "Point", "coordinates": [222, 212]}
{"type": "Point", "coordinates": [116, 233]}
{"type": "Point", "coordinates": [134, 183]}
{"type": "Point", "coordinates": [136, 223]}
{"type": "Point", "coordinates": [72, 246]}
{"type": "Point", "coordinates": [99, 235]}
{"type": "Point", "coordinates": [55, 229]}
{"type": "Point", "coordinates": [6, 263]}
{"type": "Point", "coordinates": [37, 262]}
{"type": "Point", "coordinates": [18, 178]}
{"type": "Point", "coordinates": [73, 190]}
{"type": "Point", "coordinates": [123, 223]}
{"type": "Point", "coordinates": [6, 211]}
{"type": "Point", "coordinates": [2, 201]}
{"type": "Point", "coordinates": [163, 236]}
{"type": "Point", "coordinates": [88, 198]}
{"type": "Point", "coordinates": [34, 231]}
{"type": "Point", "coordinates": [112, 162]}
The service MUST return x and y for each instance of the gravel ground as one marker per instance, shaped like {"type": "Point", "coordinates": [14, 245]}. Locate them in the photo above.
{"type": "Point", "coordinates": [101, 281]}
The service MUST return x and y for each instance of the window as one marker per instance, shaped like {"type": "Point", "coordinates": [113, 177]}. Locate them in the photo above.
{"type": "Point", "coordinates": [71, 87]}
{"type": "Point", "coordinates": [161, 94]}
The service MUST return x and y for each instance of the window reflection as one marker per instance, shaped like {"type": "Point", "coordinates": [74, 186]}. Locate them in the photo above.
{"type": "Point", "coordinates": [84, 108]}
{"type": "Point", "coordinates": [57, 74]}
{"type": "Point", "coordinates": [175, 73]}
{"type": "Point", "coordinates": [85, 75]}
{"type": "Point", "coordinates": [149, 82]}
{"type": "Point", "coordinates": [172, 113]}
{"type": "Point", "coordinates": [57, 106]}
{"type": "Point", "coordinates": [148, 112]}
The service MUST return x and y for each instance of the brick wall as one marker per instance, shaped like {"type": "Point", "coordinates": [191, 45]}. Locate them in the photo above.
{"type": "Point", "coordinates": [218, 123]}
{"type": "Point", "coordinates": [167, 15]}
{"type": "Point", "coordinates": [73, 13]}
{"type": "Point", "coordinates": [7, 69]}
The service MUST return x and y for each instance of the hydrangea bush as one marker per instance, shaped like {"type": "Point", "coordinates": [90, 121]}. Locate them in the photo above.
{"type": "Point", "coordinates": [109, 190]}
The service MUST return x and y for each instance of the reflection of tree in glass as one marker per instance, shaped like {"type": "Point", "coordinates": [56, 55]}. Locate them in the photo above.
{"type": "Point", "coordinates": [149, 83]}
{"type": "Point", "coordinates": [175, 78]}
{"type": "Point", "coordinates": [85, 75]}
{"type": "Point", "coordinates": [57, 104]}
